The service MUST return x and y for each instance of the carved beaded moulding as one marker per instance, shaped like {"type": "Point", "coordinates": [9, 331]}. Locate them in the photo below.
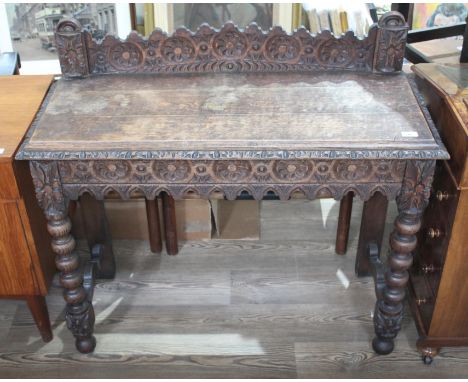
{"type": "Point", "coordinates": [231, 49]}
{"type": "Point", "coordinates": [314, 178]}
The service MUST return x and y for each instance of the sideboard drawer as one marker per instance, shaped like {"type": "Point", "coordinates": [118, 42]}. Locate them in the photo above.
{"type": "Point", "coordinates": [437, 226]}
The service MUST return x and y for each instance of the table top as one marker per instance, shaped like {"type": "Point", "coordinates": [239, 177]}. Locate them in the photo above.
{"type": "Point", "coordinates": [20, 99]}
{"type": "Point", "coordinates": [321, 114]}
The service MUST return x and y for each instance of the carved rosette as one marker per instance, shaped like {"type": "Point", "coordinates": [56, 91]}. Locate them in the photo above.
{"type": "Point", "coordinates": [230, 43]}
{"type": "Point", "coordinates": [126, 56]}
{"type": "Point", "coordinates": [355, 170]}
{"type": "Point", "coordinates": [390, 43]}
{"type": "Point", "coordinates": [232, 171]}
{"type": "Point", "coordinates": [292, 171]}
{"type": "Point", "coordinates": [71, 49]}
{"type": "Point", "coordinates": [112, 170]}
{"type": "Point", "coordinates": [178, 50]}
{"type": "Point", "coordinates": [282, 48]}
{"type": "Point", "coordinates": [336, 53]}
{"type": "Point", "coordinates": [172, 171]}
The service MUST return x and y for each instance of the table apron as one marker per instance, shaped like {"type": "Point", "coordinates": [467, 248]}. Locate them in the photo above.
{"type": "Point", "coordinates": [313, 178]}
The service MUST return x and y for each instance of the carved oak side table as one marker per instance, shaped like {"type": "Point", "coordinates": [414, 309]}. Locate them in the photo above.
{"type": "Point", "coordinates": [234, 111]}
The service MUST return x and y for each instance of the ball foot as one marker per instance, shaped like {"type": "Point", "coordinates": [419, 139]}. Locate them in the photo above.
{"type": "Point", "coordinates": [427, 359]}
{"type": "Point", "coordinates": [382, 346]}
{"type": "Point", "coordinates": [86, 345]}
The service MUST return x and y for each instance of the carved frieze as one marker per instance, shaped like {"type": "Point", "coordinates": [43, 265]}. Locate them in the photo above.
{"type": "Point", "coordinates": [231, 171]}
{"type": "Point", "coordinates": [314, 178]}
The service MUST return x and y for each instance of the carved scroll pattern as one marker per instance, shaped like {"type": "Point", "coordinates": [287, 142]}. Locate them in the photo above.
{"type": "Point", "coordinates": [314, 178]}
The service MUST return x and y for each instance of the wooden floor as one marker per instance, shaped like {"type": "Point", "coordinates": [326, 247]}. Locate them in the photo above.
{"type": "Point", "coordinates": [272, 308]}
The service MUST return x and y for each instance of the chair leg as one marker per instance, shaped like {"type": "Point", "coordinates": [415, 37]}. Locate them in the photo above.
{"type": "Point", "coordinates": [344, 221]}
{"type": "Point", "coordinates": [154, 225]}
{"type": "Point", "coordinates": [374, 214]}
{"type": "Point", "coordinates": [38, 307]}
{"type": "Point", "coordinates": [98, 232]}
{"type": "Point", "coordinates": [170, 224]}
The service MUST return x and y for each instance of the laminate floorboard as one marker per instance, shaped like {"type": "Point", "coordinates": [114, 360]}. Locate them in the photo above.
{"type": "Point", "coordinates": [268, 308]}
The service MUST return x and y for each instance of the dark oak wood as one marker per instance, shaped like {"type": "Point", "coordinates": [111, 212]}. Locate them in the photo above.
{"type": "Point", "coordinates": [154, 225]}
{"type": "Point", "coordinates": [170, 229]}
{"type": "Point", "coordinates": [438, 287]}
{"type": "Point", "coordinates": [97, 232]}
{"type": "Point", "coordinates": [372, 228]}
{"type": "Point", "coordinates": [26, 260]}
{"type": "Point", "coordinates": [169, 135]}
{"type": "Point", "coordinates": [344, 219]}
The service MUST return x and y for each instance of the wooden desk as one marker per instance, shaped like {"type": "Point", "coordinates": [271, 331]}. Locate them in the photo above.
{"type": "Point", "coordinates": [26, 259]}
{"type": "Point", "coordinates": [316, 114]}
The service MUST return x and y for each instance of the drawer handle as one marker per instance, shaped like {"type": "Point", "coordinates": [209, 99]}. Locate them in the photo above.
{"type": "Point", "coordinates": [434, 233]}
{"type": "Point", "coordinates": [430, 268]}
{"type": "Point", "coordinates": [422, 301]}
{"type": "Point", "coordinates": [442, 195]}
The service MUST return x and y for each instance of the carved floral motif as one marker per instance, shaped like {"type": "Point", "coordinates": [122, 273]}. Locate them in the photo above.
{"type": "Point", "coordinates": [112, 170]}
{"type": "Point", "coordinates": [178, 50]}
{"type": "Point", "coordinates": [229, 44]}
{"type": "Point", "coordinates": [354, 170]}
{"type": "Point", "coordinates": [126, 56]}
{"type": "Point", "coordinates": [232, 171]}
{"type": "Point", "coordinates": [417, 183]}
{"type": "Point", "coordinates": [48, 188]}
{"type": "Point", "coordinates": [172, 171]}
{"type": "Point", "coordinates": [292, 170]}
{"type": "Point", "coordinates": [282, 48]}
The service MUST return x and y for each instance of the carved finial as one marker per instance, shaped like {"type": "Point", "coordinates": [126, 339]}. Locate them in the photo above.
{"type": "Point", "coordinates": [69, 25]}
{"type": "Point", "coordinates": [71, 49]}
{"type": "Point", "coordinates": [392, 19]}
{"type": "Point", "coordinates": [390, 43]}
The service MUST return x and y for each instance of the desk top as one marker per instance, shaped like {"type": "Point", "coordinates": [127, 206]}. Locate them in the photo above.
{"type": "Point", "coordinates": [313, 115]}
{"type": "Point", "coordinates": [20, 99]}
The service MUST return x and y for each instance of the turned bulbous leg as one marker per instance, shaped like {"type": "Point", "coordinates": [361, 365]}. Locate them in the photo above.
{"type": "Point", "coordinates": [411, 204]}
{"type": "Point", "coordinates": [79, 313]}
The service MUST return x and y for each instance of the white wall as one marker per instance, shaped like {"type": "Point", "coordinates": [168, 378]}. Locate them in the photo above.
{"type": "Point", "coordinates": [5, 39]}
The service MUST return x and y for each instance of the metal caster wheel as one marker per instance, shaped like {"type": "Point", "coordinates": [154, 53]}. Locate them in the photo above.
{"type": "Point", "coordinates": [427, 359]}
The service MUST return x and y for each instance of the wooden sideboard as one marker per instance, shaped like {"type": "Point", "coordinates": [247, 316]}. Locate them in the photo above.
{"type": "Point", "coordinates": [26, 259]}
{"type": "Point", "coordinates": [439, 283]}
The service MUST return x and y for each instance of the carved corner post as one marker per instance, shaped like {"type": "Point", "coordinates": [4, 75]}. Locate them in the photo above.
{"type": "Point", "coordinates": [411, 201]}
{"type": "Point", "coordinates": [390, 43]}
{"type": "Point", "coordinates": [71, 47]}
{"type": "Point", "coordinates": [79, 311]}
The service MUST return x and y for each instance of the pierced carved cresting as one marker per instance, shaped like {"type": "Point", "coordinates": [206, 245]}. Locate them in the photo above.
{"type": "Point", "coordinates": [411, 201]}
{"type": "Point", "coordinates": [232, 49]}
{"type": "Point", "coordinates": [314, 178]}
